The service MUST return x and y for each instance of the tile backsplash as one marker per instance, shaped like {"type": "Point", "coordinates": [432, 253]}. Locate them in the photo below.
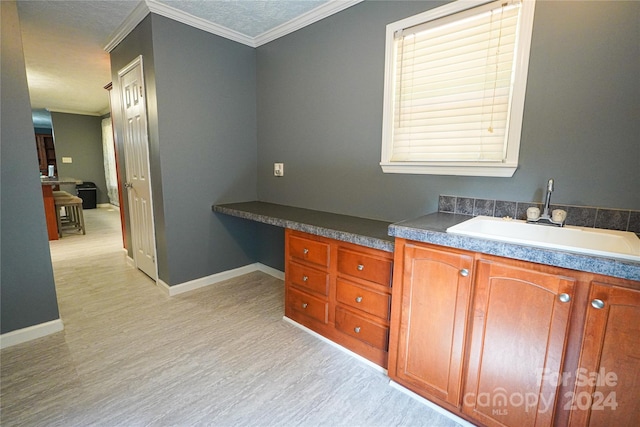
{"type": "Point", "coordinates": [583, 216]}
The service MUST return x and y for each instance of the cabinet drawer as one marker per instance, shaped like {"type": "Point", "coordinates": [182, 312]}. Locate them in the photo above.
{"type": "Point", "coordinates": [362, 329]}
{"type": "Point", "coordinates": [309, 278]}
{"type": "Point", "coordinates": [364, 266]}
{"type": "Point", "coordinates": [308, 305]}
{"type": "Point", "coordinates": [309, 250]}
{"type": "Point", "coordinates": [363, 299]}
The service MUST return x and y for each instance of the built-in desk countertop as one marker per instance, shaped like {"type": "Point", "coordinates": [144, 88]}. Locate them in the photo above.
{"type": "Point", "coordinates": [429, 228]}
{"type": "Point", "coordinates": [360, 231]}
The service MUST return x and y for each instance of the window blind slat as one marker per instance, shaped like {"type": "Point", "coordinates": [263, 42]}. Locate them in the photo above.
{"type": "Point", "coordinates": [453, 87]}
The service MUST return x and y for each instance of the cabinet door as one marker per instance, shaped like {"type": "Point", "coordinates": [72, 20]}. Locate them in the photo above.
{"type": "Point", "coordinates": [434, 292]}
{"type": "Point", "coordinates": [518, 336]}
{"type": "Point", "coordinates": [608, 379]}
{"type": "Point", "coordinates": [46, 153]}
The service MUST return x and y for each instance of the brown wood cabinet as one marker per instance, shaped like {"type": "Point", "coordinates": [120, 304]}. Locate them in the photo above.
{"type": "Point", "coordinates": [519, 330]}
{"type": "Point", "coordinates": [431, 299]}
{"type": "Point", "coordinates": [502, 342]}
{"type": "Point", "coordinates": [46, 153]}
{"type": "Point", "coordinates": [341, 291]}
{"type": "Point", "coordinates": [607, 389]}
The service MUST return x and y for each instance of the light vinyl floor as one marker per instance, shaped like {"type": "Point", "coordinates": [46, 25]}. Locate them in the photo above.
{"type": "Point", "coordinates": [218, 356]}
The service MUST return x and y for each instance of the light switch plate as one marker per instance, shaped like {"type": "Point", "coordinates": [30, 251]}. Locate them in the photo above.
{"type": "Point", "coordinates": [67, 160]}
{"type": "Point", "coordinates": [278, 169]}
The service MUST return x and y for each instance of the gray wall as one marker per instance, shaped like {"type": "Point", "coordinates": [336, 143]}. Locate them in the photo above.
{"type": "Point", "coordinates": [202, 130]}
{"type": "Point", "coordinates": [320, 94]}
{"type": "Point", "coordinates": [80, 137]}
{"type": "Point", "coordinates": [27, 290]}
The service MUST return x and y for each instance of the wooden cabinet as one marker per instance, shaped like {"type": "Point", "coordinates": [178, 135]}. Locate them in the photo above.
{"type": "Point", "coordinates": [519, 330]}
{"type": "Point", "coordinates": [607, 388]}
{"type": "Point", "coordinates": [307, 279]}
{"type": "Point", "coordinates": [502, 342]}
{"type": "Point", "coordinates": [340, 290]}
{"type": "Point", "coordinates": [363, 300]}
{"type": "Point", "coordinates": [431, 299]}
{"type": "Point", "coordinates": [46, 153]}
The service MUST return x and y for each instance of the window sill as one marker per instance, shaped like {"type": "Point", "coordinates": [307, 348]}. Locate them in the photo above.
{"type": "Point", "coordinates": [458, 169]}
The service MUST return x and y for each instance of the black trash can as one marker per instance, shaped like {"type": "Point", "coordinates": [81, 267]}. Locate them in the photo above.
{"type": "Point", "coordinates": [87, 191]}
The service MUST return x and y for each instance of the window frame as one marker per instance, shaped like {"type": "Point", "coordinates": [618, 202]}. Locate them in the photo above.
{"type": "Point", "coordinates": [505, 168]}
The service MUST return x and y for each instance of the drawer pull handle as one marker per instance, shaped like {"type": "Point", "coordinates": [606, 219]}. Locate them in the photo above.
{"type": "Point", "coordinates": [358, 299]}
{"type": "Point", "coordinates": [304, 305]}
{"type": "Point", "coordinates": [305, 278]}
{"type": "Point", "coordinates": [305, 251]}
{"type": "Point", "coordinates": [360, 267]}
{"type": "Point", "coordinates": [357, 329]}
{"type": "Point", "coordinates": [464, 272]}
{"type": "Point", "coordinates": [564, 297]}
{"type": "Point", "coordinates": [597, 303]}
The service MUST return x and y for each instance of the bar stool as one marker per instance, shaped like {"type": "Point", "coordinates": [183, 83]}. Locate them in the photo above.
{"type": "Point", "coordinates": [73, 217]}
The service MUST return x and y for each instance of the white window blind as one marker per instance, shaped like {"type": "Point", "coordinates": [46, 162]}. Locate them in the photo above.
{"type": "Point", "coordinates": [452, 87]}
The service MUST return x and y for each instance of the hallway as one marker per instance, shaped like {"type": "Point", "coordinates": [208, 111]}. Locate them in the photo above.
{"type": "Point", "coordinates": [221, 355]}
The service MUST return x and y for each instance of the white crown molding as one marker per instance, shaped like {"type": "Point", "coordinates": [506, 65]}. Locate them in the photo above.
{"type": "Point", "coordinates": [201, 24]}
{"type": "Point", "coordinates": [79, 112]}
{"type": "Point", "coordinates": [146, 6]}
{"type": "Point", "coordinates": [136, 16]}
{"type": "Point", "coordinates": [315, 15]}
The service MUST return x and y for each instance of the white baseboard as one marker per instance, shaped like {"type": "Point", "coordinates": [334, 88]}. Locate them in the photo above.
{"type": "Point", "coordinates": [130, 261]}
{"type": "Point", "coordinates": [219, 277]}
{"type": "Point", "coordinates": [105, 205]}
{"type": "Point", "coordinates": [336, 345]}
{"type": "Point", "coordinates": [270, 271]}
{"type": "Point", "coordinates": [30, 333]}
{"type": "Point", "coordinates": [431, 405]}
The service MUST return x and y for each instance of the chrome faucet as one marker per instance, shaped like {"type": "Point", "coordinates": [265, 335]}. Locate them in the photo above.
{"type": "Point", "coordinates": [547, 201]}
{"type": "Point", "coordinates": [547, 218]}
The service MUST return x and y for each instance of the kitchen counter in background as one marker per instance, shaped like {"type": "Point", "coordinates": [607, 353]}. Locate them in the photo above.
{"type": "Point", "coordinates": [59, 181]}
{"type": "Point", "coordinates": [429, 229]}
{"type": "Point", "coordinates": [49, 204]}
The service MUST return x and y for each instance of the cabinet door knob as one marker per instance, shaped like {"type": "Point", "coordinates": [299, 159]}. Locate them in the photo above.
{"type": "Point", "coordinates": [564, 297]}
{"type": "Point", "coordinates": [597, 303]}
{"type": "Point", "coordinates": [464, 272]}
{"type": "Point", "coordinates": [305, 278]}
{"type": "Point", "coordinates": [304, 305]}
{"type": "Point", "coordinates": [358, 299]}
{"type": "Point", "coordinates": [305, 251]}
{"type": "Point", "coordinates": [360, 267]}
{"type": "Point", "coordinates": [357, 329]}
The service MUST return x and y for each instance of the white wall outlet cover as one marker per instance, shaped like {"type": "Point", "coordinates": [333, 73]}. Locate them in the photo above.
{"type": "Point", "coordinates": [278, 169]}
{"type": "Point", "coordinates": [67, 160]}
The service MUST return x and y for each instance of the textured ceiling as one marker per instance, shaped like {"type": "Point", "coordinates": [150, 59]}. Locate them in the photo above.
{"type": "Point", "coordinates": [64, 41]}
{"type": "Point", "coordinates": [250, 18]}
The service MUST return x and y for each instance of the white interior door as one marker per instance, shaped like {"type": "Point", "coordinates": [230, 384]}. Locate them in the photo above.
{"type": "Point", "coordinates": [136, 154]}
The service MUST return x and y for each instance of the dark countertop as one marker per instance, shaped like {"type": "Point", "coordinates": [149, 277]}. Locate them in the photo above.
{"type": "Point", "coordinates": [432, 228]}
{"type": "Point", "coordinates": [428, 228]}
{"type": "Point", "coordinates": [365, 232]}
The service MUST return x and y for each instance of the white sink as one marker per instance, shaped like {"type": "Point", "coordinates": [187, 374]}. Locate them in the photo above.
{"type": "Point", "coordinates": [590, 241]}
